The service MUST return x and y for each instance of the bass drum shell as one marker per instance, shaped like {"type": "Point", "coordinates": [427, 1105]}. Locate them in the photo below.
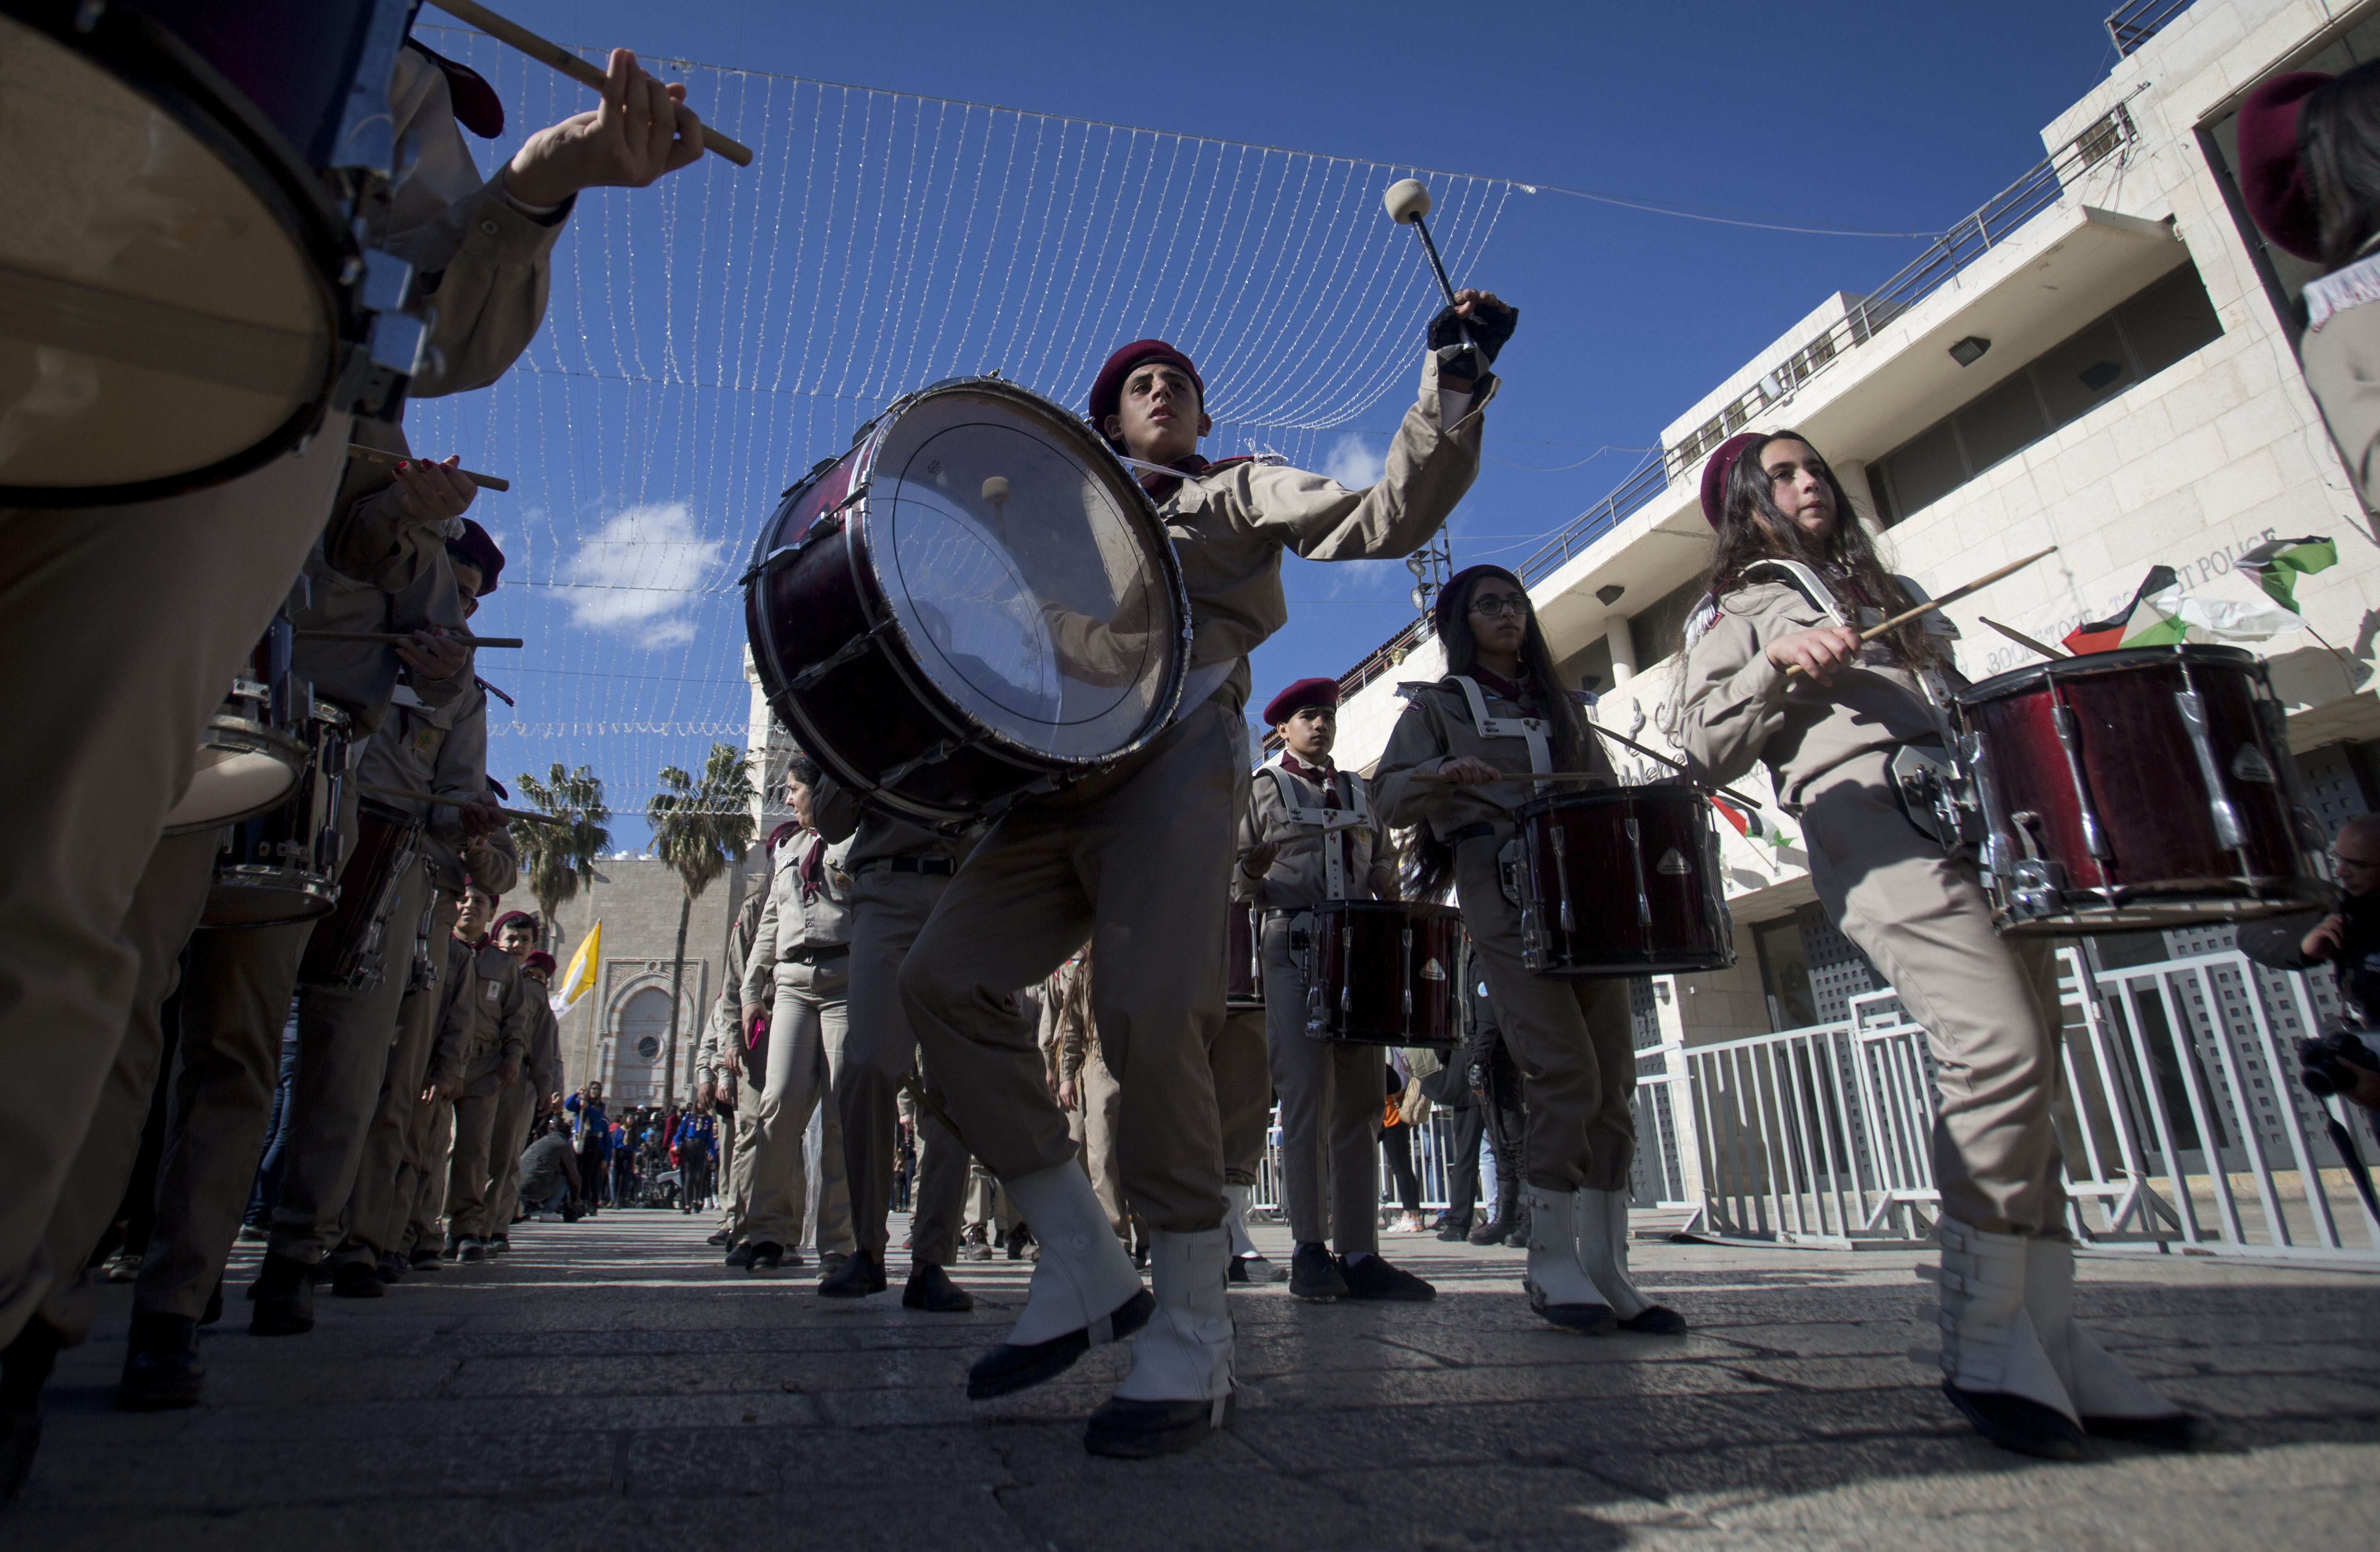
{"type": "Point", "coordinates": [974, 600]}
{"type": "Point", "coordinates": [1382, 973]}
{"type": "Point", "coordinates": [283, 865]}
{"type": "Point", "coordinates": [348, 950]}
{"type": "Point", "coordinates": [2147, 786]}
{"type": "Point", "coordinates": [1623, 881]}
{"type": "Point", "coordinates": [1242, 957]}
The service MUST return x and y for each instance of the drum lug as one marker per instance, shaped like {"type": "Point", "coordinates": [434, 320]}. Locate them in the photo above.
{"type": "Point", "coordinates": [1637, 857]}
{"type": "Point", "coordinates": [2035, 888]}
{"type": "Point", "coordinates": [850, 649]}
{"type": "Point", "coordinates": [1561, 874]}
{"type": "Point", "coordinates": [2070, 739]}
{"type": "Point", "coordinates": [933, 754]}
{"type": "Point", "coordinates": [2228, 832]}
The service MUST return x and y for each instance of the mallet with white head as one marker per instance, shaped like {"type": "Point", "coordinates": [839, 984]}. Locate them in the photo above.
{"type": "Point", "coordinates": [1408, 201]}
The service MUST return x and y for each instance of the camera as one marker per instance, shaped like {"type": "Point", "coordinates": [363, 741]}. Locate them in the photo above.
{"type": "Point", "coordinates": [2333, 1063]}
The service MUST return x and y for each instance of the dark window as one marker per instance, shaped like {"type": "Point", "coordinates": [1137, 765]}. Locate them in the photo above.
{"type": "Point", "coordinates": [1658, 632]}
{"type": "Point", "coordinates": [2169, 321]}
{"type": "Point", "coordinates": [2003, 421]}
{"type": "Point", "coordinates": [2084, 373]}
{"type": "Point", "coordinates": [1926, 469]}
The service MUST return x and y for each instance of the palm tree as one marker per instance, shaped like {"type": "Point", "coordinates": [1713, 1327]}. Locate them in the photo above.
{"type": "Point", "coordinates": [558, 859]}
{"type": "Point", "coordinates": [698, 828]}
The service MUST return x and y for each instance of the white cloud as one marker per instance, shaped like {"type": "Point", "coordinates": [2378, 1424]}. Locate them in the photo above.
{"type": "Point", "coordinates": [1353, 464]}
{"type": "Point", "coordinates": [638, 572]}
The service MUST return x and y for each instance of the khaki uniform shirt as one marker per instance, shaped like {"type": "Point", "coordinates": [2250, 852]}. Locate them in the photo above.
{"type": "Point", "coordinates": [483, 1018]}
{"type": "Point", "coordinates": [544, 1069]}
{"type": "Point", "coordinates": [792, 928]}
{"type": "Point", "coordinates": [876, 835]}
{"type": "Point", "coordinates": [442, 750]}
{"type": "Point", "coordinates": [2342, 359]}
{"type": "Point", "coordinates": [1301, 874]}
{"type": "Point", "coordinates": [1439, 724]}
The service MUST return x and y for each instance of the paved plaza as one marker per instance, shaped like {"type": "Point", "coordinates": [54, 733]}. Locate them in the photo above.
{"type": "Point", "coordinates": [609, 1383]}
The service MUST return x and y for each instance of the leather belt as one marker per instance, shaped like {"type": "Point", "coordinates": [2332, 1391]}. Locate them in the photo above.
{"type": "Point", "coordinates": [1471, 832]}
{"type": "Point", "coordinates": [813, 953]}
{"type": "Point", "coordinates": [931, 868]}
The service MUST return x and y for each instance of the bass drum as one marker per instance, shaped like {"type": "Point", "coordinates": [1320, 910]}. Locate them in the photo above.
{"type": "Point", "coordinates": [1383, 974]}
{"type": "Point", "coordinates": [973, 602]}
{"type": "Point", "coordinates": [2150, 787]}
{"type": "Point", "coordinates": [1623, 881]}
{"type": "Point", "coordinates": [283, 865]}
{"type": "Point", "coordinates": [180, 290]}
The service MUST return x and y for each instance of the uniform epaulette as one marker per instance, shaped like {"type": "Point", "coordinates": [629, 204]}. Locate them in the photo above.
{"type": "Point", "coordinates": [1407, 689]}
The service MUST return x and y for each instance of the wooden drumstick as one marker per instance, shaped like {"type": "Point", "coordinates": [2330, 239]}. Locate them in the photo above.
{"type": "Point", "coordinates": [1953, 596]}
{"type": "Point", "coordinates": [2023, 640]}
{"type": "Point", "coordinates": [403, 794]}
{"type": "Point", "coordinates": [1735, 798]}
{"type": "Point", "coordinates": [394, 638]}
{"type": "Point", "coordinates": [374, 456]}
{"type": "Point", "coordinates": [569, 64]}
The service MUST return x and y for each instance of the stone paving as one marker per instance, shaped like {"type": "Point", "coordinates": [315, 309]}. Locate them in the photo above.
{"type": "Point", "coordinates": [610, 1382]}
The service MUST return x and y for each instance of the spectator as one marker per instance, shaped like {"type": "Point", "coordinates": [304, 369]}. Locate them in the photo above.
{"type": "Point", "coordinates": [549, 1173]}
{"type": "Point", "coordinates": [594, 1142]}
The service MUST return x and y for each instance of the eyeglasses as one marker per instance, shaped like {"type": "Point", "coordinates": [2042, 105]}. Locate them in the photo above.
{"type": "Point", "coordinates": [1497, 608]}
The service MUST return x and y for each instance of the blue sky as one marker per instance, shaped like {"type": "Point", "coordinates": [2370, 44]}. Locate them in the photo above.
{"type": "Point", "coordinates": [707, 343]}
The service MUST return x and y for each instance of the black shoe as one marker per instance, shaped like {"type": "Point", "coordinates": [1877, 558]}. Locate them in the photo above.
{"type": "Point", "coordinates": [1009, 1368]}
{"type": "Point", "coordinates": [931, 1289]}
{"type": "Point", "coordinates": [1373, 1278]}
{"type": "Point", "coordinates": [1018, 1237]}
{"type": "Point", "coordinates": [2180, 1431]}
{"type": "Point", "coordinates": [2014, 1422]}
{"type": "Point", "coordinates": [740, 1255]}
{"type": "Point", "coordinates": [1656, 1321]}
{"type": "Point", "coordinates": [719, 1239]}
{"type": "Point", "coordinates": [830, 1261]}
{"type": "Point", "coordinates": [1314, 1274]}
{"type": "Point", "coordinates": [1593, 1319]}
{"type": "Point", "coordinates": [160, 1365]}
{"type": "Point", "coordinates": [859, 1275]}
{"type": "Point", "coordinates": [283, 1291]}
{"type": "Point", "coordinates": [1454, 1233]}
{"type": "Point", "coordinates": [1493, 1231]}
{"type": "Point", "coordinates": [357, 1279]}
{"type": "Point", "coordinates": [453, 1250]}
{"type": "Point", "coordinates": [424, 1258]}
{"type": "Point", "coordinates": [391, 1268]}
{"type": "Point", "coordinates": [499, 1243]}
{"type": "Point", "coordinates": [1140, 1257]}
{"type": "Point", "coordinates": [215, 1306]}
{"type": "Point", "coordinates": [767, 1256]}
{"type": "Point", "coordinates": [471, 1248]}
{"type": "Point", "coordinates": [1136, 1430]}
{"type": "Point", "coordinates": [25, 1365]}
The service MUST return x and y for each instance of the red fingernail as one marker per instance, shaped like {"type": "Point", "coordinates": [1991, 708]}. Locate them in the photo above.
{"type": "Point", "coordinates": [405, 463]}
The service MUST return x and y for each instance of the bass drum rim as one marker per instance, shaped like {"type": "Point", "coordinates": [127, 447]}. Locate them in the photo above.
{"type": "Point", "coordinates": [2034, 676]}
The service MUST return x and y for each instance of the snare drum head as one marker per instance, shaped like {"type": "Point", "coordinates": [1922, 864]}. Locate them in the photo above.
{"type": "Point", "coordinates": [1025, 574]}
{"type": "Point", "coordinates": [244, 768]}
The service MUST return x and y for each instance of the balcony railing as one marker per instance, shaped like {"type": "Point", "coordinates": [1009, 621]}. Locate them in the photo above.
{"type": "Point", "coordinates": [2129, 26]}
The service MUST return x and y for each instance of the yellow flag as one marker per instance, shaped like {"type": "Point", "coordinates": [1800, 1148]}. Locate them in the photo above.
{"type": "Point", "coordinates": [580, 979]}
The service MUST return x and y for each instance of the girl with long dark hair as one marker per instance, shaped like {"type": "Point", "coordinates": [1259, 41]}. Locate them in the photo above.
{"type": "Point", "coordinates": [1502, 709]}
{"type": "Point", "coordinates": [1794, 577]}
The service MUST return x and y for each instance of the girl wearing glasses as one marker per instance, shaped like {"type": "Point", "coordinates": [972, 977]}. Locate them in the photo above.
{"type": "Point", "coordinates": [1502, 709]}
{"type": "Point", "coordinates": [1793, 576]}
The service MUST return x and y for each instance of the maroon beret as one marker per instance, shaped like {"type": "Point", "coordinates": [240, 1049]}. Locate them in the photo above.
{"type": "Point", "coordinates": [1715, 473]}
{"type": "Point", "coordinates": [475, 548]}
{"type": "Point", "coordinates": [1444, 604]}
{"type": "Point", "coordinates": [2272, 173]}
{"type": "Point", "coordinates": [1107, 390]}
{"type": "Point", "coordinates": [496, 930]}
{"type": "Point", "coordinates": [1298, 697]}
{"type": "Point", "coordinates": [477, 106]}
{"type": "Point", "coordinates": [540, 960]}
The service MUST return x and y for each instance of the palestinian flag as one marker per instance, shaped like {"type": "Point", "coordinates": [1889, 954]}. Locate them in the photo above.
{"type": "Point", "coordinates": [2138, 623]}
{"type": "Point", "coordinates": [1751, 826]}
{"type": "Point", "coordinates": [2277, 563]}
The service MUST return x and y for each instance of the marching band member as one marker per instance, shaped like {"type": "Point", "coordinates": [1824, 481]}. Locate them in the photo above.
{"type": "Point", "coordinates": [519, 1108]}
{"type": "Point", "coordinates": [1308, 835]}
{"type": "Point", "coordinates": [482, 1049]}
{"type": "Point", "coordinates": [720, 1066]}
{"type": "Point", "coordinates": [1793, 576]}
{"type": "Point", "coordinates": [1502, 709]}
{"type": "Point", "coordinates": [1137, 860]}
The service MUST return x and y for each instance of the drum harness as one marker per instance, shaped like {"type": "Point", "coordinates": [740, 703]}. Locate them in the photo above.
{"type": "Point", "coordinates": [1326, 823]}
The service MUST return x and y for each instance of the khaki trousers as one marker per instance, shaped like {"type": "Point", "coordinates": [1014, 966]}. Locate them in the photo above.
{"type": "Point", "coordinates": [1989, 1004]}
{"type": "Point", "coordinates": [164, 912]}
{"type": "Point", "coordinates": [516, 1108]}
{"type": "Point", "coordinates": [428, 1200]}
{"type": "Point", "coordinates": [1331, 1109]}
{"type": "Point", "coordinates": [1138, 861]}
{"type": "Point", "coordinates": [1242, 1093]}
{"type": "Point", "coordinates": [142, 614]}
{"type": "Point", "coordinates": [805, 1045]}
{"type": "Point", "coordinates": [1103, 1143]}
{"type": "Point", "coordinates": [889, 909]}
{"type": "Point", "coordinates": [344, 1041]}
{"type": "Point", "coordinates": [735, 1202]}
{"type": "Point", "coordinates": [380, 1209]}
{"type": "Point", "coordinates": [1572, 1040]}
{"type": "Point", "coordinates": [469, 1174]}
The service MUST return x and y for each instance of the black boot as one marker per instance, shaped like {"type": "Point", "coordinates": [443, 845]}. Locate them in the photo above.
{"type": "Point", "coordinates": [161, 1364]}
{"type": "Point", "coordinates": [1373, 1278]}
{"type": "Point", "coordinates": [25, 1366]}
{"type": "Point", "coordinates": [391, 1268]}
{"type": "Point", "coordinates": [767, 1256]}
{"type": "Point", "coordinates": [1127, 1430]}
{"type": "Point", "coordinates": [424, 1258]}
{"type": "Point", "coordinates": [1314, 1274]}
{"type": "Point", "coordinates": [357, 1279]}
{"type": "Point", "coordinates": [859, 1275]}
{"type": "Point", "coordinates": [740, 1255]}
{"type": "Point", "coordinates": [283, 1291]}
{"type": "Point", "coordinates": [931, 1289]}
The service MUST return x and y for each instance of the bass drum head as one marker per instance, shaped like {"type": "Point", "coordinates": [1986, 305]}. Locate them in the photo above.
{"type": "Point", "coordinates": [165, 317]}
{"type": "Point", "coordinates": [1031, 592]}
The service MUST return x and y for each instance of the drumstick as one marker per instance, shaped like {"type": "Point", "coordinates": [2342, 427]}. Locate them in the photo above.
{"type": "Point", "coordinates": [569, 64]}
{"type": "Point", "coordinates": [394, 638]}
{"type": "Point", "coordinates": [1673, 764]}
{"type": "Point", "coordinates": [1580, 776]}
{"type": "Point", "coordinates": [2022, 640]}
{"type": "Point", "coordinates": [374, 456]}
{"type": "Point", "coordinates": [403, 794]}
{"type": "Point", "coordinates": [1953, 596]}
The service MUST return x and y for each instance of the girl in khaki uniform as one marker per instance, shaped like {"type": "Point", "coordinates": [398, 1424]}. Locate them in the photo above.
{"type": "Point", "coordinates": [1501, 710]}
{"type": "Point", "coordinates": [1793, 578]}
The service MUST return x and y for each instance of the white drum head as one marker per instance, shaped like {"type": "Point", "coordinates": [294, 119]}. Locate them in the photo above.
{"type": "Point", "coordinates": [231, 784]}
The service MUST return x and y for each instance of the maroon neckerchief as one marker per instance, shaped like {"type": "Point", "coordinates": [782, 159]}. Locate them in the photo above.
{"type": "Point", "coordinates": [1337, 793]}
{"type": "Point", "coordinates": [1158, 486]}
{"type": "Point", "coordinates": [813, 869]}
{"type": "Point", "coordinates": [1523, 696]}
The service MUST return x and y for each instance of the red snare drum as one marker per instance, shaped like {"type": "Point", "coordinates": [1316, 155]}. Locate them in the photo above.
{"type": "Point", "coordinates": [2146, 788]}
{"type": "Point", "coordinates": [1242, 958]}
{"type": "Point", "coordinates": [974, 601]}
{"type": "Point", "coordinates": [1623, 881]}
{"type": "Point", "coordinates": [349, 948]}
{"type": "Point", "coordinates": [1382, 973]}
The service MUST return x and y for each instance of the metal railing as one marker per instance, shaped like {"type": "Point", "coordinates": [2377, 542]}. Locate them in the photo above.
{"type": "Point", "coordinates": [2129, 26]}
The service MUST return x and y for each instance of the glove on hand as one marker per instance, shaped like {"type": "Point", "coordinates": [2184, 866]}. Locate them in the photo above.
{"type": "Point", "coordinates": [1490, 327]}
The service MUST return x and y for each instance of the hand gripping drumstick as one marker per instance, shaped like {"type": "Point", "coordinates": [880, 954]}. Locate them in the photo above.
{"type": "Point", "coordinates": [569, 64]}
{"type": "Point", "coordinates": [1953, 596]}
{"type": "Point", "coordinates": [388, 460]}
{"type": "Point", "coordinates": [406, 794]}
{"type": "Point", "coordinates": [1408, 201]}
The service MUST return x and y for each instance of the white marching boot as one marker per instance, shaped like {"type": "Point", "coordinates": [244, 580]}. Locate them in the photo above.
{"type": "Point", "coordinates": [1995, 1367]}
{"type": "Point", "coordinates": [1558, 1285]}
{"type": "Point", "coordinates": [1084, 1292]}
{"type": "Point", "coordinates": [1248, 1264]}
{"type": "Point", "coordinates": [1603, 1252]}
{"type": "Point", "coordinates": [2109, 1399]}
{"type": "Point", "coordinates": [1179, 1387]}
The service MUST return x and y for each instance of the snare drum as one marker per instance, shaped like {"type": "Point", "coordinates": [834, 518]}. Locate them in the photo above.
{"type": "Point", "coordinates": [974, 601]}
{"type": "Point", "coordinates": [1381, 973]}
{"type": "Point", "coordinates": [181, 296]}
{"type": "Point", "coordinates": [253, 749]}
{"type": "Point", "coordinates": [1623, 881]}
{"type": "Point", "coordinates": [1242, 958]}
{"type": "Point", "coordinates": [283, 865]}
{"type": "Point", "coordinates": [2151, 787]}
{"type": "Point", "coordinates": [345, 950]}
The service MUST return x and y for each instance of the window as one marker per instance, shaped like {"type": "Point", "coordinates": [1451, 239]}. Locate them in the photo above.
{"type": "Point", "coordinates": [1658, 632]}
{"type": "Point", "coordinates": [2142, 337]}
